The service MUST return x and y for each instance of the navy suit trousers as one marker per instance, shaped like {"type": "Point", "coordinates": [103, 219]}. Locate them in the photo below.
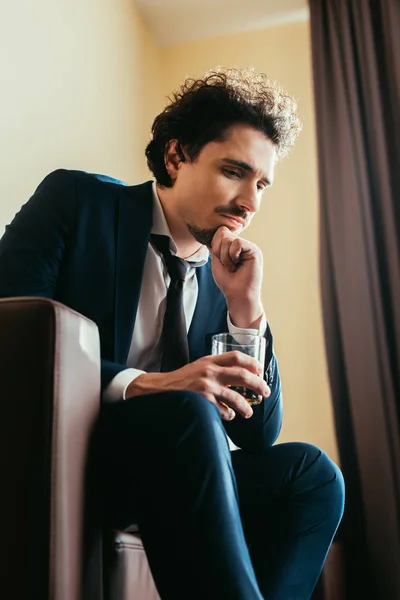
{"type": "Point", "coordinates": [216, 524]}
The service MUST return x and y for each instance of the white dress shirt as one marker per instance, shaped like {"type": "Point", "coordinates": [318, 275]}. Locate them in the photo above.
{"type": "Point", "coordinates": [144, 354]}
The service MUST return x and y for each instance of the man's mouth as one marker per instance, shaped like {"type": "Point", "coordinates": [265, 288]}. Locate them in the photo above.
{"type": "Point", "coordinates": [236, 221]}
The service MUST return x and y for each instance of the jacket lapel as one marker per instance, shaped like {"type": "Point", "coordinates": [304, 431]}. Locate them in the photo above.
{"type": "Point", "coordinates": [209, 316]}
{"type": "Point", "coordinates": [135, 220]}
{"type": "Point", "coordinates": [135, 217]}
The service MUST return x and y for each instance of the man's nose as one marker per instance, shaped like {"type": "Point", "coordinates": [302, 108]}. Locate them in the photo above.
{"type": "Point", "coordinates": [248, 200]}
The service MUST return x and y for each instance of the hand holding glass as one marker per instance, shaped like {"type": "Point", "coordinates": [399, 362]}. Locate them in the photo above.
{"type": "Point", "coordinates": [252, 345]}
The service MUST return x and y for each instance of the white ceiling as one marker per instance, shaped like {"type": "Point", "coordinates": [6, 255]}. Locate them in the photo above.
{"type": "Point", "coordinates": [176, 21]}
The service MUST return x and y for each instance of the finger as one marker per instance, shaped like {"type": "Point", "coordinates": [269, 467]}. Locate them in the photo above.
{"type": "Point", "coordinates": [225, 254]}
{"type": "Point", "coordinates": [235, 401]}
{"type": "Point", "coordinates": [226, 413]}
{"type": "Point", "coordinates": [242, 377]}
{"type": "Point", "coordinates": [216, 243]}
{"type": "Point", "coordinates": [235, 251]}
{"type": "Point", "coordinates": [221, 234]}
{"type": "Point", "coordinates": [242, 250]}
{"type": "Point", "coordinates": [237, 358]}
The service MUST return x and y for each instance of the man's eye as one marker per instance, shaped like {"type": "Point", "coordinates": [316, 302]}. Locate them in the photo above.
{"type": "Point", "coordinates": [232, 173]}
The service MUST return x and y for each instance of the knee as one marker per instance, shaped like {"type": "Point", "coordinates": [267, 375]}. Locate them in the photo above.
{"type": "Point", "coordinates": [192, 404]}
{"type": "Point", "coordinates": [193, 410]}
{"type": "Point", "coordinates": [325, 476]}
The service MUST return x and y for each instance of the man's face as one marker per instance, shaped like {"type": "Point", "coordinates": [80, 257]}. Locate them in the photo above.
{"type": "Point", "coordinates": [224, 183]}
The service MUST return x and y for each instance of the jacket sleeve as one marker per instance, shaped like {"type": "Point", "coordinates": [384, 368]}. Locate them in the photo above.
{"type": "Point", "coordinates": [109, 370]}
{"type": "Point", "coordinates": [261, 431]}
{"type": "Point", "coordinates": [34, 244]}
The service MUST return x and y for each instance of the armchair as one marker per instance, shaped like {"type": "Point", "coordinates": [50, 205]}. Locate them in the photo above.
{"type": "Point", "coordinates": [52, 543]}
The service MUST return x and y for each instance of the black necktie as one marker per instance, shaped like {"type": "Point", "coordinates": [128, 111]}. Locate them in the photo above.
{"type": "Point", "coordinates": [174, 341]}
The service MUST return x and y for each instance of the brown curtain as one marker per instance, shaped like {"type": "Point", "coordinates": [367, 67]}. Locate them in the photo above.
{"type": "Point", "coordinates": [356, 62]}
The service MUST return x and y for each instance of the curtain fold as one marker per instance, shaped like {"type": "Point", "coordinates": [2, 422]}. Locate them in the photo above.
{"type": "Point", "coordinates": [356, 64]}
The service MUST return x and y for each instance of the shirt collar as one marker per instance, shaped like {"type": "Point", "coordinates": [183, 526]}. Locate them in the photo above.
{"type": "Point", "coordinates": [160, 227]}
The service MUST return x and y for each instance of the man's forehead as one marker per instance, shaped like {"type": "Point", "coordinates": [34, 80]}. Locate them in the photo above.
{"type": "Point", "coordinates": [246, 145]}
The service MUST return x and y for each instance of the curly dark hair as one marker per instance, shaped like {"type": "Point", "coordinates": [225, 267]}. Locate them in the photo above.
{"type": "Point", "coordinates": [202, 111]}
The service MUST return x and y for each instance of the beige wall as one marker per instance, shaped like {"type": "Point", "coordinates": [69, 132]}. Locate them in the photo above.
{"type": "Point", "coordinates": [286, 228]}
{"type": "Point", "coordinates": [80, 84]}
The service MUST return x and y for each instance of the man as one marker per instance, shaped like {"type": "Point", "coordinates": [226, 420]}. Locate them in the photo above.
{"type": "Point", "coordinates": [244, 525]}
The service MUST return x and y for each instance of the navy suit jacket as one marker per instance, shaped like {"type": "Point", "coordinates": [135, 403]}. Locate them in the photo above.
{"type": "Point", "coordinates": [82, 240]}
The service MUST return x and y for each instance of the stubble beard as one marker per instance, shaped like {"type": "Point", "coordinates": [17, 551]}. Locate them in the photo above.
{"type": "Point", "coordinates": [203, 236]}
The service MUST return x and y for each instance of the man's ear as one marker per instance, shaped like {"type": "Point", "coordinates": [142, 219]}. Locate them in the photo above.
{"type": "Point", "coordinates": [180, 152]}
{"type": "Point", "coordinates": [173, 157]}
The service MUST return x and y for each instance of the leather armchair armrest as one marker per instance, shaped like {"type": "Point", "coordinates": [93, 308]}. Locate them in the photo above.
{"type": "Point", "coordinates": [49, 401]}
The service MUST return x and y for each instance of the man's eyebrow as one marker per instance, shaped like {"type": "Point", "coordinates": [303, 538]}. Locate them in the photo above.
{"type": "Point", "coordinates": [246, 167]}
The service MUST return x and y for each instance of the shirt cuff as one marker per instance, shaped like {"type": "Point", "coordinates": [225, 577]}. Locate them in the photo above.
{"type": "Point", "coordinates": [260, 331]}
{"type": "Point", "coordinates": [116, 389]}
